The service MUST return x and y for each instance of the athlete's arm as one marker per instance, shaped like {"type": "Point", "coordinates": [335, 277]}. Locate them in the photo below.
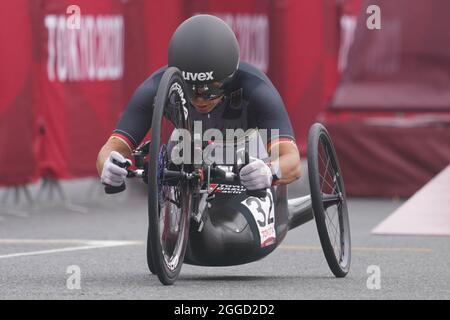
{"type": "Point", "coordinates": [134, 122]}
{"type": "Point", "coordinates": [287, 163]}
{"type": "Point", "coordinates": [113, 144]}
{"type": "Point", "coordinates": [270, 114]}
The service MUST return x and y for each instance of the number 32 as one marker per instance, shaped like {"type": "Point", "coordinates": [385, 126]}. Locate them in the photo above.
{"type": "Point", "coordinates": [266, 220]}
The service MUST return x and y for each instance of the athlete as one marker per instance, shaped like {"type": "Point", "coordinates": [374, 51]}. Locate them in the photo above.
{"type": "Point", "coordinates": [224, 93]}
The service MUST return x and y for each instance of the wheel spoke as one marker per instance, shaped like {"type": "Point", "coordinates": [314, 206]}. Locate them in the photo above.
{"type": "Point", "coordinates": [333, 174]}
{"type": "Point", "coordinates": [331, 222]}
{"type": "Point", "coordinates": [335, 180]}
{"type": "Point", "coordinates": [326, 168]}
{"type": "Point", "coordinates": [327, 164]}
{"type": "Point", "coordinates": [337, 240]}
{"type": "Point", "coordinates": [332, 178]}
{"type": "Point", "coordinates": [324, 177]}
{"type": "Point", "coordinates": [325, 181]}
{"type": "Point", "coordinates": [329, 185]}
{"type": "Point", "coordinates": [329, 200]}
{"type": "Point", "coordinates": [333, 215]}
{"type": "Point", "coordinates": [335, 248]}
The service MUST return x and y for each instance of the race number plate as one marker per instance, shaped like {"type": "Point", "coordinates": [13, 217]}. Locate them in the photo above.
{"type": "Point", "coordinates": [263, 212]}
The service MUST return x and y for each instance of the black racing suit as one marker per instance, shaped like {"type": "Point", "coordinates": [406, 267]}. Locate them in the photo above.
{"type": "Point", "coordinates": [251, 102]}
{"type": "Point", "coordinates": [230, 235]}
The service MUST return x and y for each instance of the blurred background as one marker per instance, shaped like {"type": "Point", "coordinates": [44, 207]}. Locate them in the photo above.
{"type": "Point", "coordinates": [383, 93]}
{"type": "Point", "coordinates": [376, 73]}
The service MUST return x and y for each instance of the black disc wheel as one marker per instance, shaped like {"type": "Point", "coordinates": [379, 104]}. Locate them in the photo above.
{"type": "Point", "coordinates": [329, 200]}
{"type": "Point", "coordinates": [169, 197]}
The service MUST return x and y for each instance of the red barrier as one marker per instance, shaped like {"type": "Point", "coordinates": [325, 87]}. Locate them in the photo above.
{"type": "Point", "coordinates": [403, 66]}
{"type": "Point", "coordinates": [391, 157]}
{"type": "Point", "coordinates": [80, 85]}
{"type": "Point", "coordinates": [17, 159]}
{"type": "Point", "coordinates": [86, 76]}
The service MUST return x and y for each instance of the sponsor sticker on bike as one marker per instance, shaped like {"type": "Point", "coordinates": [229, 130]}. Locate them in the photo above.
{"type": "Point", "coordinates": [177, 87]}
{"type": "Point", "coordinates": [263, 211]}
{"type": "Point", "coordinates": [226, 188]}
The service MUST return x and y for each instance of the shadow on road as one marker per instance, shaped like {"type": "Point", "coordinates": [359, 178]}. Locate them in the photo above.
{"type": "Point", "coordinates": [247, 278]}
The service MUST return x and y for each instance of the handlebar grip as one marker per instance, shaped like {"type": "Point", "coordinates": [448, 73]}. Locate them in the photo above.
{"type": "Point", "coordinates": [260, 193]}
{"type": "Point", "coordinates": [124, 165]}
{"type": "Point", "coordinates": [109, 189]}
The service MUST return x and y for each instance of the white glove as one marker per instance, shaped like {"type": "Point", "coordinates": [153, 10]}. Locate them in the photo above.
{"type": "Point", "coordinates": [256, 175]}
{"type": "Point", "coordinates": [112, 174]}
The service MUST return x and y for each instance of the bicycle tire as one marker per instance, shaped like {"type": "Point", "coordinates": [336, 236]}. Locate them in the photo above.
{"type": "Point", "coordinates": [167, 271]}
{"type": "Point", "coordinates": [319, 139]}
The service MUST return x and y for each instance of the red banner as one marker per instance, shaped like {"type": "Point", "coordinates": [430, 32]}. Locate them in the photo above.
{"type": "Point", "coordinates": [249, 20]}
{"type": "Point", "coordinates": [80, 83]}
{"type": "Point", "coordinates": [17, 160]}
{"type": "Point", "coordinates": [87, 75]}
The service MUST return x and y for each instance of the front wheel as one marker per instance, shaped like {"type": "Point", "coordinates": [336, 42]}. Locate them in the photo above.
{"type": "Point", "coordinates": [329, 200]}
{"type": "Point", "coordinates": [169, 200]}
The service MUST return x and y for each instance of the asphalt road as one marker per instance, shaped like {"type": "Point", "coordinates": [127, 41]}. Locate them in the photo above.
{"type": "Point", "coordinates": [36, 251]}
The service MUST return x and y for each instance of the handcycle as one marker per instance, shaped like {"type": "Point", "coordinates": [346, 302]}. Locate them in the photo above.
{"type": "Point", "coordinates": [199, 214]}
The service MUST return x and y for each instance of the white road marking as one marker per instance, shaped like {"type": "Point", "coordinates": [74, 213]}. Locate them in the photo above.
{"type": "Point", "coordinates": [98, 244]}
{"type": "Point", "coordinates": [86, 245]}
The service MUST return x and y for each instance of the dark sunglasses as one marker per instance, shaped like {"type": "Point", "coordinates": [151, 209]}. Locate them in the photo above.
{"type": "Point", "coordinates": [208, 91]}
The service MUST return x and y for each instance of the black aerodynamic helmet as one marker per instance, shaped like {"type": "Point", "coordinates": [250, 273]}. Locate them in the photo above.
{"type": "Point", "coordinates": [205, 49]}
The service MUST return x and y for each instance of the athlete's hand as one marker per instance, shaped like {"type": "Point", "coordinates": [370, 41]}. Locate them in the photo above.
{"type": "Point", "coordinates": [256, 175]}
{"type": "Point", "coordinates": [112, 174]}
